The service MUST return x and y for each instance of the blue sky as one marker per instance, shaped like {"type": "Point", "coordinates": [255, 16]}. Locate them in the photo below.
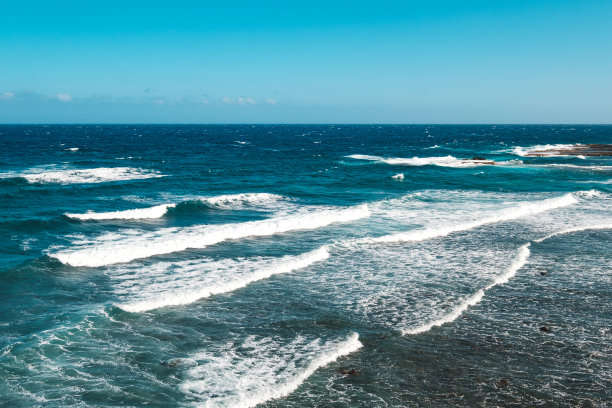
{"type": "Point", "coordinates": [496, 61]}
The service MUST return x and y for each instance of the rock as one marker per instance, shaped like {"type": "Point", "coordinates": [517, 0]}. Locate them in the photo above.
{"type": "Point", "coordinates": [478, 158]}
{"type": "Point", "coordinates": [349, 373]}
{"type": "Point", "coordinates": [502, 383]}
{"type": "Point", "coordinates": [576, 150]}
{"type": "Point", "coordinates": [545, 329]}
{"type": "Point", "coordinates": [543, 273]}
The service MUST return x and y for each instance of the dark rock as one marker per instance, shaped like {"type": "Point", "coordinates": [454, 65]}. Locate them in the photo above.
{"type": "Point", "coordinates": [478, 158]}
{"type": "Point", "coordinates": [543, 273]}
{"type": "Point", "coordinates": [576, 150]}
{"type": "Point", "coordinates": [545, 329]}
{"type": "Point", "coordinates": [349, 373]}
{"type": "Point", "coordinates": [502, 383]}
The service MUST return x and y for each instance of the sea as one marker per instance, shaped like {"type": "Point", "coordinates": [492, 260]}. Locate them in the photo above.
{"type": "Point", "coordinates": [304, 266]}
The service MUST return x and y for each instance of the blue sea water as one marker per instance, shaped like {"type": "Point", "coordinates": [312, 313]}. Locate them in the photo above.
{"type": "Point", "coordinates": [239, 266]}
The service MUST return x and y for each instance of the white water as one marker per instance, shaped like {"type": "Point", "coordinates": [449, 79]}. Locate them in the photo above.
{"type": "Point", "coordinates": [133, 244]}
{"type": "Point", "coordinates": [225, 201]}
{"type": "Point", "coordinates": [179, 283]}
{"type": "Point", "coordinates": [518, 263]}
{"type": "Point", "coordinates": [443, 161]}
{"type": "Point", "coordinates": [508, 214]}
{"type": "Point", "coordinates": [81, 176]}
{"type": "Point", "coordinates": [260, 369]}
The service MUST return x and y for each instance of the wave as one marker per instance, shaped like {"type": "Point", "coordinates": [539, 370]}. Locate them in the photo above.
{"type": "Point", "coordinates": [173, 284]}
{"type": "Point", "coordinates": [574, 229]}
{"type": "Point", "coordinates": [523, 151]}
{"type": "Point", "coordinates": [139, 213]}
{"type": "Point", "coordinates": [443, 161]}
{"type": "Point", "coordinates": [523, 210]}
{"type": "Point", "coordinates": [518, 263]}
{"type": "Point", "coordinates": [133, 244]}
{"type": "Point", "coordinates": [260, 370]}
{"type": "Point", "coordinates": [398, 177]}
{"type": "Point", "coordinates": [226, 201]}
{"type": "Point", "coordinates": [82, 176]}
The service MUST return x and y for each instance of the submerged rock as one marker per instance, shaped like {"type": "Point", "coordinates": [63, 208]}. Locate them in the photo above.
{"type": "Point", "coordinates": [545, 329]}
{"type": "Point", "coordinates": [502, 383]}
{"type": "Point", "coordinates": [349, 373]}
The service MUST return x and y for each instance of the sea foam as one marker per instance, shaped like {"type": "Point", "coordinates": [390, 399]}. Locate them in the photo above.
{"type": "Point", "coordinates": [82, 176]}
{"type": "Point", "coordinates": [508, 214]}
{"type": "Point", "coordinates": [133, 244]}
{"type": "Point", "coordinates": [260, 369]}
{"type": "Point", "coordinates": [225, 201]}
{"type": "Point", "coordinates": [443, 161]}
{"type": "Point", "coordinates": [179, 283]}
{"type": "Point", "coordinates": [518, 263]}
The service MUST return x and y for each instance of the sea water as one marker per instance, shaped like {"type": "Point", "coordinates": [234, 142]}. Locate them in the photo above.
{"type": "Point", "coordinates": [241, 266]}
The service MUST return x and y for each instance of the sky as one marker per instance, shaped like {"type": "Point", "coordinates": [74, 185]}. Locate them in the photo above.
{"type": "Point", "coordinates": [463, 61]}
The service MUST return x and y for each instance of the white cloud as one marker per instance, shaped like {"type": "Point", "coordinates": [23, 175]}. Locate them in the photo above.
{"type": "Point", "coordinates": [64, 97]}
{"type": "Point", "coordinates": [271, 101]}
{"type": "Point", "coordinates": [225, 99]}
{"type": "Point", "coordinates": [7, 95]}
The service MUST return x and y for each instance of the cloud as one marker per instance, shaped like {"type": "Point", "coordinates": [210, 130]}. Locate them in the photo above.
{"type": "Point", "coordinates": [271, 101]}
{"type": "Point", "coordinates": [7, 95]}
{"type": "Point", "coordinates": [246, 101]}
{"type": "Point", "coordinates": [225, 99]}
{"type": "Point", "coordinates": [64, 97]}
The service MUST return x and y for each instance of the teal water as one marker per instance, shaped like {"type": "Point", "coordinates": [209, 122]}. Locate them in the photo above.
{"type": "Point", "coordinates": [231, 266]}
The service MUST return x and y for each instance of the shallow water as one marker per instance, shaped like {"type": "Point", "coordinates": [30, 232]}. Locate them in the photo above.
{"type": "Point", "coordinates": [241, 265]}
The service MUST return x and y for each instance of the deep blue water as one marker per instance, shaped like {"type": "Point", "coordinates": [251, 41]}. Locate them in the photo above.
{"type": "Point", "coordinates": [243, 265]}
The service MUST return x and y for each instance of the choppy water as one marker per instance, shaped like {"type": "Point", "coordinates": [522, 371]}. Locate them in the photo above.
{"type": "Point", "coordinates": [240, 265]}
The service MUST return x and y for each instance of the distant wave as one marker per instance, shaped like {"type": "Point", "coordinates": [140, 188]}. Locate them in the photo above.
{"type": "Point", "coordinates": [139, 213]}
{"type": "Point", "coordinates": [260, 369]}
{"type": "Point", "coordinates": [522, 210]}
{"type": "Point", "coordinates": [443, 161]}
{"type": "Point", "coordinates": [133, 244]}
{"type": "Point", "coordinates": [82, 176]}
{"type": "Point", "coordinates": [226, 201]}
{"type": "Point", "coordinates": [523, 151]}
{"type": "Point", "coordinates": [172, 284]}
{"type": "Point", "coordinates": [518, 263]}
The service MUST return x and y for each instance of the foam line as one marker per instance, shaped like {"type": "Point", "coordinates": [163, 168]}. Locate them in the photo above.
{"type": "Point", "coordinates": [190, 283]}
{"type": "Point", "coordinates": [139, 213]}
{"type": "Point", "coordinates": [133, 244]}
{"type": "Point", "coordinates": [523, 210]}
{"type": "Point", "coordinates": [575, 229]}
{"type": "Point", "coordinates": [518, 263]}
{"type": "Point", "coordinates": [443, 161]}
{"type": "Point", "coordinates": [79, 176]}
{"type": "Point", "coordinates": [268, 372]}
{"type": "Point", "coordinates": [225, 201]}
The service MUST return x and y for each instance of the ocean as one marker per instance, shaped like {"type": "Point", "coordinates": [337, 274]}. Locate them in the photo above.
{"type": "Point", "coordinates": [304, 266]}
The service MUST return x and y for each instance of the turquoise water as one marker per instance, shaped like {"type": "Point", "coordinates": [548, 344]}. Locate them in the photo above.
{"type": "Point", "coordinates": [241, 265]}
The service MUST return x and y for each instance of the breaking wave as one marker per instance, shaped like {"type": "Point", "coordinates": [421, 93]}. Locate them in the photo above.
{"type": "Point", "coordinates": [260, 369]}
{"type": "Point", "coordinates": [179, 283]}
{"type": "Point", "coordinates": [133, 244]}
{"type": "Point", "coordinates": [518, 263]}
{"type": "Point", "coordinates": [226, 201]}
{"type": "Point", "coordinates": [443, 161]}
{"type": "Point", "coordinates": [83, 176]}
{"type": "Point", "coordinates": [523, 210]}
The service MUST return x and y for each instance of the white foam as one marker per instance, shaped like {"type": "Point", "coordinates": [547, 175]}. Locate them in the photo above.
{"type": "Point", "coordinates": [133, 244]}
{"type": "Point", "coordinates": [180, 283]}
{"type": "Point", "coordinates": [523, 151]}
{"type": "Point", "coordinates": [226, 201]}
{"type": "Point", "coordinates": [72, 149]}
{"type": "Point", "coordinates": [518, 263]}
{"type": "Point", "coordinates": [398, 177]}
{"type": "Point", "coordinates": [79, 176]}
{"type": "Point", "coordinates": [443, 161]}
{"type": "Point", "coordinates": [139, 213]}
{"type": "Point", "coordinates": [508, 214]}
{"type": "Point", "coordinates": [260, 370]}
{"type": "Point", "coordinates": [574, 229]}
